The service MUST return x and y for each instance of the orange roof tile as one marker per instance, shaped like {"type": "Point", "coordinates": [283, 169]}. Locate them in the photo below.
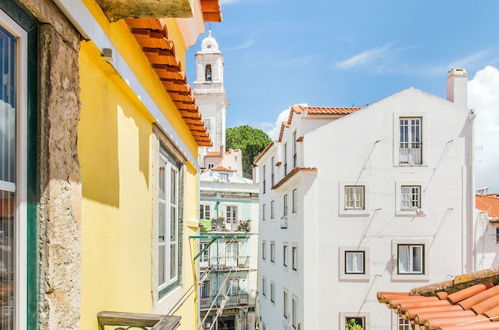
{"type": "Point", "coordinates": [152, 36]}
{"type": "Point", "coordinates": [213, 154]}
{"type": "Point", "coordinates": [211, 10]}
{"type": "Point", "coordinates": [267, 148]}
{"type": "Point", "coordinates": [220, 168]}
{"type": "Point", "coordinates": [489, 204]}
{"type": "Point", "coordinates": [470, 301]}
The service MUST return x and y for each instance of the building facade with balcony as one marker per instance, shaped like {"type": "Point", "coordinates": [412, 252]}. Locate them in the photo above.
{"type": "Point", "coordinates": [362, 199]}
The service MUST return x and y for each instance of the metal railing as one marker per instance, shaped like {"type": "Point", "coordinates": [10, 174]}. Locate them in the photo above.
{"type": "Point", "coordinates": [241, 299]}
{"type": "Point", "coordinates": [411, 153]}
{"type": "Point", "coordinates": [225, 262]}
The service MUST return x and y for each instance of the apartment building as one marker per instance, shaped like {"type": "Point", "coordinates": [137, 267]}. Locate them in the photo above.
{"type": "Point", "coordinates": [486, 230]}
{"type": "Point", "coordinates": [362, 199]}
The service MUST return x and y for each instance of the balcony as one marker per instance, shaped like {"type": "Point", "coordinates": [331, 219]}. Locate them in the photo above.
{"type": "Point", "coordinates": [222, 225]}
{"type": "Point", "coordinates": [223, 263]}
{"type": "Point", "coordinates": [138, 321]}
{"type": "Point", "coordinates": [411, 153]}
{"type": "Point", "coordinates": [241, 299]}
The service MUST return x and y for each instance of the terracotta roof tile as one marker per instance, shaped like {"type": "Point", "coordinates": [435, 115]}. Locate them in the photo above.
{"type": "Point", "coordinates": [459, 304]}
{"type": "Point", "coordinates": [292, 173]}
{"type": "Point", "coordinates": [220, 168]}
{"type": "Point", "coordinates": [489, 204]}
{"type": "Point", "coordinates": [330, 110]}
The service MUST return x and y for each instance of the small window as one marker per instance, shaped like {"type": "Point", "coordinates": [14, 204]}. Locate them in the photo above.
{"type": "Point", "coordinates": [410, 198]}
{"type": "Point", "coordinates": [204, 212]}
{"type": "Point", "coordinates": [355, 262]}
{"type": "Point", "coordinates": [285, 158]}
{"type": "Point", "coordinates": [264, 216]}
{"type": "Point", "coordinates": [294, 150]}
{"type": "Point", "coordinates": [272, 165]}
{"type": "Point", "coordinates": [264, 252]}
{"type": "Point", "coordinates": [271, 209]}
{"type": "Point", "coordinates": [285, 304]}
{"type": "Point", "coordinates": [205, 290]}
{"type": "Point", "coordinates": [294, 311]}
{"type": "Point", "coordinates": [497, 235]}
{"type": "Point", "coordinates": [232, 287]}
{"type": "Point", "coordinates": [411, 144]}
{"type": "Point", "coordinates": [272, 251]}
{"type": "Point", "coordinates": [294, 201]}
{"type": "Point", "coordinates": [208, 74]}
{"type": "Point", "coordinates": [355, 198]}
{"type": "Point", "coordinates": [210, 166]}
{"type": "Point", "coordinates": [272, 292]}
{"type": "Point", "coordinates": [294, 258]}
{"type": "Point", "coordinates": [204, 258]}
{"type": "Point", "coordinates": [410, 258]}
{"type": "Point", "coordinates": [231, 254]}
{"type": "Point", "coordinates": [231, 217]}
{"type": "Point", "coordinates": [285, 206]}
{"type": "Point", "coordinates": [264, 287]}
{"type": "Point", "coordinates": [355, 322]}
{"type": "Point", "coordinates": [285, 255]}
{"type": "Point", "coordinates": [264, 174]}
{"type": "Point", "coordinates": [403, 324]}
{"type": "Point", "coordinates": [223, 177]}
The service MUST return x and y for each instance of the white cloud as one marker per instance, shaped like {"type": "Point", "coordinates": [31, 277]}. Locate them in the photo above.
{"type": "Point", "coordinates": [483, 94]}
{"type": "Point", "coordinates": [365, 57]}
{"type": "Point", "coordinates": [276, 127]}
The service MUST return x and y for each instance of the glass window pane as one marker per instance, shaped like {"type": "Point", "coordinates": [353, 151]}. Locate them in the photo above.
{"type": "Point", "coordinates": [173, 194]}
{"type": "Point", "coordinates": [404, 256]}
{"type": "Point", "coordinates": [354, 262]}
{"type": "Point", "coordinates": [417, 259]}
{"type": "Point", "coordinates": [173, 224]}
{"type": "Point", "coordinates": [161, 264]}
{"type": "Point", "coordinates": [161, 221]}
{"type": "Point", "coordinates": [173, 261]}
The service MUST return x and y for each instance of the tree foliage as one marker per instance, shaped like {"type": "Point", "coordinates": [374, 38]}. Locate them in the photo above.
{"type": "Point", "coordinates": [250, 140]}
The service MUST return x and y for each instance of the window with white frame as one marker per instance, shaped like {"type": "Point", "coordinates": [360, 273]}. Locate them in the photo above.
{"type": "Point", "coordinates": [294, 311]}
{"type": "Point", "coordinates": [294, 258]}
{"type": "Point", "coordinates": [264, 250]}
{"type": "Point", "coordinates": [204, 211]}
{"type": "Point", "coordinates": [285, 205]}
{"type": "Point", "coordinates": [272, 207]}
{"type": "Point", "coordinates": [231, 254]}
{"type": "Point", "coordinates": [285, 255]}
{"type": "Point", "coordinates": [410, 197]}
{"type": "Point", "coordinates": [402, 323]}
{"type": "Point", "coordinates": [355, 198]}
{"type": "Point", "coordinates": [355, 262]}
{"type": "Point", "coordinates": [205, 290]}
{"type": "Point", "coordinates": [264, 286]}
{"type": "Point", "coordinates": [294, 150]}
{"type": "Point", "coordinates": [264, 175]}
{"type": "Point", "coordinates": [272, 251]}
{"type": "Point", "coordinates": [204, 258]}
{"type": "Point", "coordinates": [411, 145]}
{"type": "Point", "coordinates": [285, 303]}
{"type": "Point", "coordinates": [168, 240]}
{"type": "Point", "coordinates": [294, 201]}
{"type": "Point", "coordinates": [272, 165]}
{"type": "Point", "coordinates": [231, 216]}
{"type": "Point", "coordinates": [232, 287]}
{"type": "Point", "coordinates": [410, 258]}
{"type": "Point", "coordinates": [272, 291]}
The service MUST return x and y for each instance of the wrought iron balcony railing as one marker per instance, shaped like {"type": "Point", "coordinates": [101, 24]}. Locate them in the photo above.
{"type": "Point", "coordinates": [241, 299]}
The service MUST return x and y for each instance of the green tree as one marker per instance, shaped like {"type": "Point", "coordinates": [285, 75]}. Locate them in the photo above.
{"type": "Point", "coordinates": [250, 140]}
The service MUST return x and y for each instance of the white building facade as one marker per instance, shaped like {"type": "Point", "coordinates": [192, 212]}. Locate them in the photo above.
{"type": "Point", "coordinates": [359, 200]}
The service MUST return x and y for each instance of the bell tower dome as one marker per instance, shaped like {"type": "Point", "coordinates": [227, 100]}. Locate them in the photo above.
{"type": "Point", "coordinates": [209, 90]}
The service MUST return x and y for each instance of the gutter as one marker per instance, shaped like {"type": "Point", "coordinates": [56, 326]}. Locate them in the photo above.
{"type": "Point", "coordinates": [83, 20]}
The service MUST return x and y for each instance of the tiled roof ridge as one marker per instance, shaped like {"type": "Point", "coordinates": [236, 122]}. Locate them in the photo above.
{"type": "Point", "coordinates": [220, 168]}
{"type": "Point", "coordinates": [267, 148]}
{"type": "Point", "coordinates": [490, 204]}
{"type": "Point", "coordinates": [292, 173]}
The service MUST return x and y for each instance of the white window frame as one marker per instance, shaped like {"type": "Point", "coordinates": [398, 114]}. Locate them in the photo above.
{"type": "Point", "coordinates": [203, 207]}
{"type": "Point", "coordinates": [342, 210]}
{"type": "Point", "coordinates": [294, 200]}
{"type": "Point", "coordinates": [223, 177]}
{"type": "Point", "coordinates": [168, 242]}
{"type": "Point", "coordinates": [272, 171]}
{"type": "Point", "coordinates": [264, 286]}
{"type": "Point", "coordinates": [264, 215]}
{"type": "Point", "coordinates": [365, 315]}
{"type": "Point", "coordinates": [413, 154]}
{"type": "Point", "coordinates": [205, 288]}
{"type": "Point", "coordinates": [416, 212]}
{"type": "Point", "coordinates": [410, 194]}
{"type": "Point", "coordinates": [285, 205]}
{"type": "Point", "coordinates": [355, 197]}
{"type": "Point", "coordinates": [294, 257]}
{"type": "Point", "coordinates": [285, 252]}
{"type": "Point", "coordinates": [272, 292]}
{"type": "Point", "coordinates": [399, 323]}
{"type": "Point", "coordinates": [294, 311]}
{"type": "Point", "coordinates": [230, 287]}
{"type": "Point", "coordinates": [426, 259]}
{"type": "Point", "coordinates": [367, 263]}
{"type": "Point", "coordinates": [285, 298]}
{"type": "Point", "coordinates": [264, 250]}
{"type": "Point", "coordinates": [20, 186]}
{"type": "Point", "coordinates": [295, 150]}
{"type": "Point", "coordinates": [264, 177]}
{"type": "Point", "coordinates": [233, 219]}
{"type": "Point", "coordinates": [272, 210]}
{"type": "Point", "coordinates": [232, 253]}
{"type": "Point", "coordinates": [204, 257]}
{"type": "Point", "coordinates": [426, 120]}
{"type": "Point", "coordinates": [272, 251]}
{"type": "Point", "coordinates": [285, 158]}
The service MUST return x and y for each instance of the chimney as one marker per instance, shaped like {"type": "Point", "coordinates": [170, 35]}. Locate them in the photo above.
{"type": "Point", "coordinates": [457, 86]}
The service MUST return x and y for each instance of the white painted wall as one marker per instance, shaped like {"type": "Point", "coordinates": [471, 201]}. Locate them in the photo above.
{"type": "Point", "coordinates": [343, 151]}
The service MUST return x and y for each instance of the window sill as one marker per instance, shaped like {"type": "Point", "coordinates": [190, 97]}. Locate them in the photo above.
{"type": "Point", "coordinates": [360, 213]}
{"type": "Point", "coordinates": [354, 277]}
{"type": "Point", "coordinates": [410, 165]}
{"type": "Point", "coordinates": [410, 277]}
{"type": "Point", "coordinates": [421, 213]}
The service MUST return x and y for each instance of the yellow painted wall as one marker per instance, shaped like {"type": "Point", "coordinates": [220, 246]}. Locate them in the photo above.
{"type": "Point", "coordinates": [115, 153]}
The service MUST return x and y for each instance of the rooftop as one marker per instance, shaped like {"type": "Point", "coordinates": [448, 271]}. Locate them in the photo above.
{"type": "Point", "coordinates": [489, 204]}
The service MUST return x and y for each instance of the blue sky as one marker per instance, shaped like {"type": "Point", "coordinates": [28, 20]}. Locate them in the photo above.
{"type": "Point", "coordinates": [344, 53]}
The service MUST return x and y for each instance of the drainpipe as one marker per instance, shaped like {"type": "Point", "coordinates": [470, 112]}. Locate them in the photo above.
{"type": "Point", "coordinates": [471, 180]}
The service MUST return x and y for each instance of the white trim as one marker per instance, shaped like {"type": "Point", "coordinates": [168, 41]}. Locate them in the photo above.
{"type": "Point", "coordinates": [83, 20]}
{"type": "Point", "coordinates": [411, 277]}
{"type": "Point", "coordinates": [426, 121]}
{"type": "Point", "coordinates": [21, 216]}
{"type": "Point", "coordinates": [365, 315]}
{"type": "Point", "coordinates": [343, 276]}
{"type": "Point", "coordinates": [7, 186]}
{"type": "Point", "coordinates": [341, 199]}
{"type": "Point", "coordinates": [421, 212]}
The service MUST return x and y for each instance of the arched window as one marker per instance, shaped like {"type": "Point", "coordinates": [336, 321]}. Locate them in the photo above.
{"type": "Point", "coordinates": [207, 73]}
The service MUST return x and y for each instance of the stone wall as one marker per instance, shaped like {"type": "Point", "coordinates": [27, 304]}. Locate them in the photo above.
{"type": "Point", "coordinates": [58, 215]}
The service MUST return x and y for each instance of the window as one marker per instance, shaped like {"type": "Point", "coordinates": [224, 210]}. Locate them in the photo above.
{"type": "Point", "coordinates": [403, 324]}
{"type": "Point", "coordinates": [272, 291]}
{"type": "Point", "coordinates": [294, 311]}
{"type": "Point", "coordinates": [272, 165]}
{"type": "Point", "coordinates": [264, 175]}
{"type": "Point", "coordinates": [210, 166]}
{"type": "Point", "coordinates": [168, 240]}
{"type": "Point", "coordinates": [355, 262]}
{"type": "Point", "coordinates": [355, 322]}
{"type": "Point", "coordinates": [497, 235]}
{"type": "Point", "coordinates": [285, 158]}
{"type": "Point", "coordinates": [294, 201]}
{"type": "Point", "coordinates": [264, 207]}
{"type": "Point", "coordinates": [264, 287]}
{"type": "Point", "coordinates": [231, 254]}
{"type": "Point", "coordinates": [205, 290]}
{"type": "Point", "coordinates": [285, 206]}
{"type": "Point", "coordinates": [264, 252]}
{"type": "Point", "coordinates": [232, 287]}
{"type": "Point", "coordinates": [410, 258]}
{"type": "Point", "coordinates": [272, 210]}
{"type": "Point", "coordinates": [410, 197]}
{"type": "Point", "coordinates": [355, 198]}
{"type": "Point", "coordinates": [285, 303]}
{"type": "Point", "coordinates": [231, 217]}
{"type": "Point", "coordinates": [204, 258]}
{"type": "Point", "coordinates": [272, 251]}
{"type": "Point", "coordinates": [208, 74]}
{"type": "Point", "coordinates": [294, 149]}
{"type": "Point", "coordinates": [411, 146]}
{"type": "Point", "coordinates": [285, 255]}
{"type": "Point", "coordinates": [204, 212]}
{"type": "Point", "coordinates": [294, 258]}
{"type": "Point", "coordinates": [223, 177]}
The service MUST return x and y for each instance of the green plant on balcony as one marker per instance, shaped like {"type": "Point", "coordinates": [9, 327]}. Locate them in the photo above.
{"type": "Point", "coordinates": [245, 225]}
{"type": "Point", "coordinates": [353, 324]}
